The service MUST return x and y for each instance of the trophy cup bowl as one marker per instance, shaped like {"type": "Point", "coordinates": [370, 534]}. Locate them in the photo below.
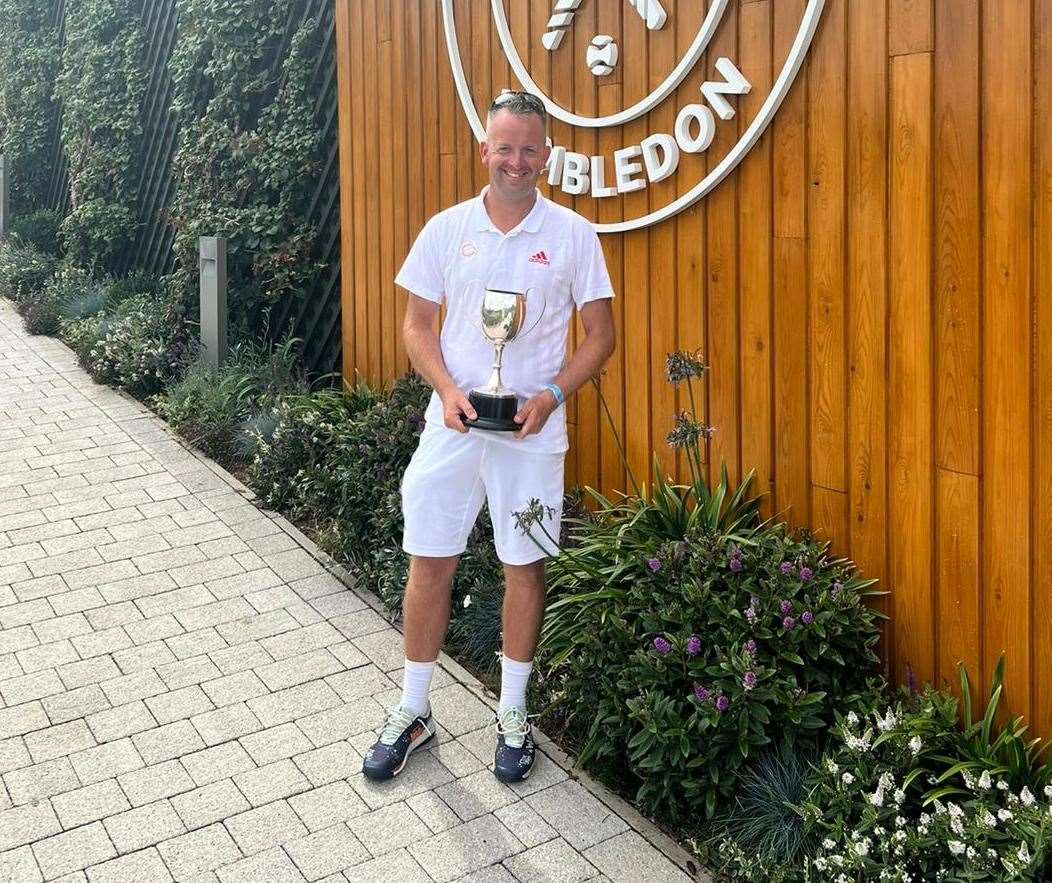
{"type": "Point", "coordinates": [503, 315]}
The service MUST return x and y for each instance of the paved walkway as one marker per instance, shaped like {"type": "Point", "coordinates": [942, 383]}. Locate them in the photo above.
{"type": "Point", "coordinates": [187, 685]}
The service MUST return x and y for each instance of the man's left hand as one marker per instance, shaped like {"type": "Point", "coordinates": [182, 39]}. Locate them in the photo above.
{"type": "Point", "coordinates": [535, 413]}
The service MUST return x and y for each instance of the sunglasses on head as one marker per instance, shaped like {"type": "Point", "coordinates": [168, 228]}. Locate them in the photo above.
{"type": "Point", "coordinates": [508, 94]}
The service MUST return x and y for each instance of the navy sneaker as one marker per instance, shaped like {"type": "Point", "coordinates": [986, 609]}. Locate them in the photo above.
{"type": "Point", "coordinates": [513, 761]}
{"type": "Point", "coordinates": [402, 733]}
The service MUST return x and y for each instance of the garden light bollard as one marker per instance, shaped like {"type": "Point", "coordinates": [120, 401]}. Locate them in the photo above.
{"type": "Point", "coordinates": [213, 298]}
{"type": "Point", "coordinates": [4, 202]}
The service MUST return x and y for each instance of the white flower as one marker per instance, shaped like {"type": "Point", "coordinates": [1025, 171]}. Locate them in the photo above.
{"type": "Point", "coordinates": [922, 829]}
{"type": "Point", "coordinates": [989, 820]}
{"type": "Point", "coordinates": [852, 718]}
{"type": "Point", "coordinates": [862, 847]}
{"type": "Point", "coordinates": [831, 765]}
{"type": "Point", "coordinates": [877, 798]}
{"type": "Point", "coordinates": [900, 796]}
{"type": "Point", "coordinates": [1024, 853]}
{"type": "Point", "coordinates": [1027, 796]}
{"type": "Point", "coordinates": [1048, 791]}
{"type": "Point", "coordinates": [820, 864]}
{"type": "Point", "coordinates": [467, 601]}
{"type": "Point", "coordinates": [957, 826]}
{"type": "Point", "coordinates": [956, 847]}
{"type": "Point", "coordinates": [847, 778]}
{"type": "Point", "coordinates": [1004, 814]}
{"type": "Point", "coordinates": [887, 723]}
{"type": "Point", "coordinates": [954, 810]}
{"type": "Point", "coordinates": [900, 835]}
{"type": "Point", "coordinates": [900, 822]}
{"type": "Point", "coordinates": [1002, 785]}
{"type": "Point", "coordinates": [984, 780]}
{"type": "Point", "coordinates": [828, 843]}
{"type": "Point", "coordinates": [925, 819]}
{"type": "Point", "coordinates": [916, 744]}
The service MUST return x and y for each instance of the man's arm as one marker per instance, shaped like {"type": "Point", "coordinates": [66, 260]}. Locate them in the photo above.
{"type": "Point", "coordinates": [597, 317]}
{"type": "Point", "coordinates": [420, 330]}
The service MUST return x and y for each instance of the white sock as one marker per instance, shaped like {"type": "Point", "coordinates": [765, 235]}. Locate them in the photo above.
{"type": "Point", "coordinates": [416, 683]}
{"type": "Point", "coordinates": [514, 676]}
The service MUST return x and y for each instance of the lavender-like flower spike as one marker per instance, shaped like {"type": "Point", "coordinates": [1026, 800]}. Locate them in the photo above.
{"type": "Point", "coordinates": [785, 607]}
{"type": "Point", "coordinates": [787, 568]}
{"type": "Point", "coordinates": [788, 623]}
{"type": "Point", "coordinates": [693, 645]}
{"type": "Point", "coordinates": [749, 681]}
{"type": "Point", "coordinates": [722, 704]}
{"type": "Point", "coordinates": [750, 647]}
{"type": "Point", "coordinates": [654, 564]}
{"type": "Point", "coordinates": [805, 574]}
{"type": "Point", "coordinates": [750, 615]}
{"type": "Point", "coordinates": [807, 617]}
{"type": "Point", "coordinates": [701, 694]}
{"type": "Point", "coordinates": [681, 365]}
{"type": "Point", "coordinates": [661, 645]}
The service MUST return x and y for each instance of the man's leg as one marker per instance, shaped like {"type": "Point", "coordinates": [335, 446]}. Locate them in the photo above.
{"type": "Point", "coordinates": [425, 614]}
{"type": "Point", "coordinates": [522, 616]}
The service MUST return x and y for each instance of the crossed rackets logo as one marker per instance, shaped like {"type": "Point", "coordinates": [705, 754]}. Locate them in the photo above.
{"type": "Point", "coordinates": [655, 157]}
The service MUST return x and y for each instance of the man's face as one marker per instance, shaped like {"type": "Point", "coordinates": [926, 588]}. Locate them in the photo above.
{"type": "Point", "coordinates": [515, 154]}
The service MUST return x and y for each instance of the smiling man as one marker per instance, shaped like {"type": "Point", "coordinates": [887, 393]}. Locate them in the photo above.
{"type": "Point", "coordinates": [513, 239]}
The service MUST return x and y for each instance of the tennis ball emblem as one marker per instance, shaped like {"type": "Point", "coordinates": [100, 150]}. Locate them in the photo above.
{"type": "Point", "coordinates": [601, 55]}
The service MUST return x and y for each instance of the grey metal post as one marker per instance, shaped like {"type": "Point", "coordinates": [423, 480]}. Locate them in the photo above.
{"type": "Point", "coordinates": [5, 205]}
{"type": "Point", "coordinates": [213, 299]}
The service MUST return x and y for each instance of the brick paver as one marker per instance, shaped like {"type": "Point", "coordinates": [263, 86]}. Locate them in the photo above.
{"type": "Point", "coordinates": [187, 685]}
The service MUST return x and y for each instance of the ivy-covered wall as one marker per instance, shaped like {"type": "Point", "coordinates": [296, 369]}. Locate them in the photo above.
{"type": "Point", "coordinates": [182, 118]}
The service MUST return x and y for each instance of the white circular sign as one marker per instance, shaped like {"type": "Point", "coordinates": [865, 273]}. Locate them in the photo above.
{"type": "Point", "coordinates": [658, 153]}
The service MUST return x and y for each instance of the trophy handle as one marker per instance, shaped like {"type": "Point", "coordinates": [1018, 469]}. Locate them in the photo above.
{"type": "Point", "coordinates": [537, 321]}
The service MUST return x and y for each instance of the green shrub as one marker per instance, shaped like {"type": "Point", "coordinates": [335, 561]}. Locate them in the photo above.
{"type": "Point", "coordinates": [686, 636]}
{"type": "Point", "coordinates": [39, 313]}
{"type": "Point", "coordinates": [24, 270]}
{"type": "Point", "coordinates": [214, 409]}
{"type": "Point", "coordinates": [39, 229]}
{"type": "Point", "coordinates": [135, 348]}
{"type": "Point", "coordinates": [876, 809]}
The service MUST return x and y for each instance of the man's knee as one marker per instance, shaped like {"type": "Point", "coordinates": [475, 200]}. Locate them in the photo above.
{"type": "Point", "coordinates": [525, 577]}
{"type": "Point", "coordinates": [432, 575]}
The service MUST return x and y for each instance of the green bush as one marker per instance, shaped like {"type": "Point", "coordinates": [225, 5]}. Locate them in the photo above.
{"type": "Point", "coordinates": [878, 810]}
{"type": "Point", "coordinates": [214, 409]}
{"type": "Point", "coordinates": [39, 229]}
{"type": "Point", "coordinates": [134, 347]}
{"type": "Point", "coordinates": [24, 270]}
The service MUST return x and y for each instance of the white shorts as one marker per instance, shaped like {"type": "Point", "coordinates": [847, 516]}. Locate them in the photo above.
{"type": "Point", "coordinates": [450, 476]}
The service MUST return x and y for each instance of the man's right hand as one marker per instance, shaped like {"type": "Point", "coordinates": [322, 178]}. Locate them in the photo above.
{"type": "Point", "coordinates": [455, 406]}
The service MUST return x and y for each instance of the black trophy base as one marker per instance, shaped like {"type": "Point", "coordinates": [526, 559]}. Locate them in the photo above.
{"type": "Point", "coordinates": [494, 412]}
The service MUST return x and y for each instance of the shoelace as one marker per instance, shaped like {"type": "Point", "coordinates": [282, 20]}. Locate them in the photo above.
{"type": "Point", "coordinates": [395, 724]}
{"type": "Point", "coordinates": [514, 726]}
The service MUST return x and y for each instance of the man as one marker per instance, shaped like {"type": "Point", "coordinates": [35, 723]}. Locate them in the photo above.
{"type": "Point", "coordinates": [511, 238]}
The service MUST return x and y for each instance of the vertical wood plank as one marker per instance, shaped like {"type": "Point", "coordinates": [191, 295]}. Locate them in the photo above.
{"type": "Point", "coordinates": [910, 26]}
{"type": "Point", "coordinates": [910, 371]}
{"type": "Point", "coordinates": [345, 87]}
{"type": "Point", "coordinates": [789, 127]}
{"type": "Point", "coordinates": [866, 293]}
{"type": "Point", "coordinates": [1042, 488]}
{"type": "Point", "coordinates": [957, 541]}
{"type": "Point", "coordinates": [826, 119]}
{"type": "Point", "coordinates": [388, 198]}
{"type": "Point", "coordinates": [1006, 453]}
{"type": "Point", "coordinates": [373, 370]}
{"type": "Point", "coordinates": [957, 234]}
{"type": "Point", "coordinates": [754, 243]}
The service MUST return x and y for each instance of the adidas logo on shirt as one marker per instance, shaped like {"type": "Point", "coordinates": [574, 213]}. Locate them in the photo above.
{"type": "Point", "coordinates": [540, 258]}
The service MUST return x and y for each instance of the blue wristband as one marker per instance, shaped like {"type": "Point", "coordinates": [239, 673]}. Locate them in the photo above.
{"type": "Point", "coordinates": [558, 393]}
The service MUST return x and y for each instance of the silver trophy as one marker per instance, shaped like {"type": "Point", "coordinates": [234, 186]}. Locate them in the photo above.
{"type": "Point", "coordinates": [503, 317]}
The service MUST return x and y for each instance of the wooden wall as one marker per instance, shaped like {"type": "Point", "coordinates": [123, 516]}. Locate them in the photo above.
{"type": "Point", "coordinates": [872, 287]}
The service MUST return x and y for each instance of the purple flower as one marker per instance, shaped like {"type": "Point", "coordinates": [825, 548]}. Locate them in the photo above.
{"type": "Point", "coordinates": [693, 645]}
{"type": "Point", "coordinates": [788, 623]}
{"type": "Point", "coordinates": [838, 587]}
{"type": "Point", "coordinates": [807, 617]}
{"type": "Point", "coordinates": [661, 645]}
{"type": "Point", "coordinates": [750, 647]}
{"type": "Point", "coordinates": [787, 568]}
{"type": "Point", "coordinates": [785, 607]}
{"type": "Point", "coordinates": [806, 573]}
{"type": "Point", "coordinates": [735, 564]}
{"type": "Point", "coordinates": [723, 703]}
{"type": "Point", "coordinates": [750, 615]}
{"type": "Point", "coordinates": [654, 565]}
{"type": "Point", "coordinates": [749, 681]}
{"type": "Point", "coordinates": [701, 694]}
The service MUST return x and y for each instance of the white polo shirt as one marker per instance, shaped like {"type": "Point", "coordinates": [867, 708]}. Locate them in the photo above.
{"type": "Point", "coordinates": [554, 255]}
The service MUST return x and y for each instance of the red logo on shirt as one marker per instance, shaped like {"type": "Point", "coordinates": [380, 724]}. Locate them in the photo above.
{"type": "Point", "coordinates": [540, 258]}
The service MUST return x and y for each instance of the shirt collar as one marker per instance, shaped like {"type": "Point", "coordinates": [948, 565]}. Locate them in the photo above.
{"type": "Point", "coordinates": [530, 224]}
